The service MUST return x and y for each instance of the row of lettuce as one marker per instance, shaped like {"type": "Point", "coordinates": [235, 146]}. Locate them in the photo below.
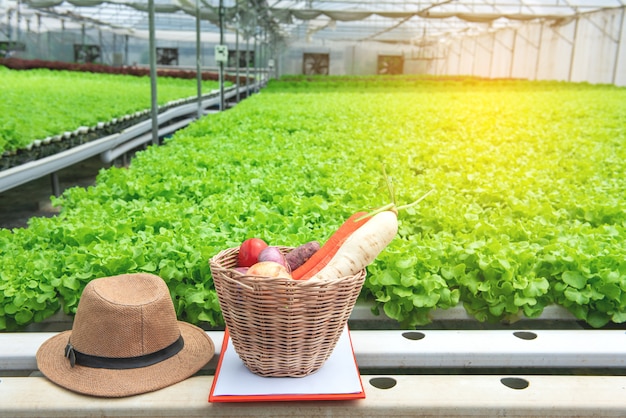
{"type": "Point", "coordinates": [529, 208]}
{"type": "Point", "coordinates": [36, 104]}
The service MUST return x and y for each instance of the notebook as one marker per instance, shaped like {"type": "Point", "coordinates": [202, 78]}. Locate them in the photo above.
{"type": "Point", "coordinates": [337, 379]}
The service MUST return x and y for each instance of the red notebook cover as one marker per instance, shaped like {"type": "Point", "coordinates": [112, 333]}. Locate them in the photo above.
{"type": "Point", "coordinates": [337, 379]}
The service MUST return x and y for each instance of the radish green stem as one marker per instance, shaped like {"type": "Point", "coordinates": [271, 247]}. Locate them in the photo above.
{"type": "Point", "coordinates": [393, 207]}
{"type": "Point", "coordinates": [410, 205]}
{"type": "Point", "coordinates": [389, 206]}
{"type": "Point", "coordinates": [389, 181]}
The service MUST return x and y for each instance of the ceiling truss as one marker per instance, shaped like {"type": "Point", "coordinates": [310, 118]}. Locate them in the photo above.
{"type": "Point", "coordinates": [391, 21]}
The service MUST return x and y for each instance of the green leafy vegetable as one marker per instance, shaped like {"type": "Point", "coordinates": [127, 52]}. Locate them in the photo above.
{"type": "Point", "coordinates": [529, 208]}
{"type": "Point", "coordinates": [35, 104]}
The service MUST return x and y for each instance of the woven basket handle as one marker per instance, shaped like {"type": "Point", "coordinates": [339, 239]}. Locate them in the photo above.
{"type": "Point", "coordinates": [237, 282]}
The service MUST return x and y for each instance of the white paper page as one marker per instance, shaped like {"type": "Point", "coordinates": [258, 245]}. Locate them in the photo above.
{"type": "Point", "coordinates": [338, 375]}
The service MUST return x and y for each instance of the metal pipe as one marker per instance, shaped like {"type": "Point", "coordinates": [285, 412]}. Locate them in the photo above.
{"type": "Point", "coordinates": [9, 28]}
{"type": "Point", "coordinates": [82, 36]}
{"type": "Point", "coordinates": [153, 76]}
{"type": "Point", "coordinates": [100, 46]}
{"type": "Point", "coordinates": [110, 155]}
{"type": "Point", "coordinates": [619, 46]}
{"type": "Point", "coordinates": [458, 67]}
{"type": "Point", "coordinates": [571, 62]}
{"type": "Point", "coordinates": [474, 56]}
{"type": "Point", "coordinates": [54, 182]}
{"type": "Point", "coordinates": [539, 51]}
{"type": "Point", "coordinates": [221, 16]}
{"type": "Point", "coordinates": [126, 49]}
{"type": "Point", "coordinates": [256, 59]}
{"type": "Point", "coordinates": [512, 63]}
{"type": "Point", "coordinates": [237, 53]}
{"type": "Point", "coordinates": [248, 64]}
{"type": "Point", "coordinates": [198, 64]}
{"type": "Point", "coordinates": [493, 47]}
{"type": "Point", "coordinates": [18, 17]}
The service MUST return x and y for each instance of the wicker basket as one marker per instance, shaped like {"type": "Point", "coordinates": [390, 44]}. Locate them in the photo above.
{"type": "Point", "coordinates": [282, 327]}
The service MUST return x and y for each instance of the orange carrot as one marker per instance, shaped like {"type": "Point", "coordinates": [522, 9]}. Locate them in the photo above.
{"type": "Point", "coordinates": [322, 256]}
{"type": "Point", "coordinates": [362, 246]}
{"type": "Point", "coordinates": [355, 244]}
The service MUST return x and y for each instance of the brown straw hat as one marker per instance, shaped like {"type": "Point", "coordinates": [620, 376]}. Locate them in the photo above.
{"type": "Point", "coordinates": [125, 340]}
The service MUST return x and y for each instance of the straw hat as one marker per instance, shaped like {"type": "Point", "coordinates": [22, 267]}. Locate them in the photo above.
{"type": "Point", "coordinates": [125, 340]}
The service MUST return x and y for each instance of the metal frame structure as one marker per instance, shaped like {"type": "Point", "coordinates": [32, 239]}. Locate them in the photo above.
{"type": "Point", "coordinates": [429, 34]}
{"type": "Point", "coordinates": [392, 21]}
{"type": "Point", "coordinates": [111, 147]}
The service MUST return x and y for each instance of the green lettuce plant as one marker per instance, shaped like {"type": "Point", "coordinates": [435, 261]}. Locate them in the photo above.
{"type": "Point", "coordinates": [529, 207]}
{"type": "Point", "coordinates": [35, 104]}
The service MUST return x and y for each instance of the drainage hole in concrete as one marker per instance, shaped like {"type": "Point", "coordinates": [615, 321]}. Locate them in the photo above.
{"type": "Point", "coordinates": [525, 335]}
{"type": "Point", "coordinates": [514, 382]}
{"type": "Point", "coordinates": [413, 335]}
{"type": "Point", "coordinates": [383, 382]}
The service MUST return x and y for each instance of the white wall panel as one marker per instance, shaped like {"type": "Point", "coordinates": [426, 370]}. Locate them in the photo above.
{"type": "Point", "coordinates": [504, 43]}
{"type": "Point", "coordinates": [468, 52]}
{"type": "Point", "coordinates": [596, 47]}
{"type": "Point", "coordinates": [556, 52]}
{"type": "Point", "coordinates": [483, 56]}
{"type": "Point", "coordinates": [452, 58]}
{"type": "Point", "coordinates": [526, 51]}
{"type": "Point", "coordinates": [589, 48]}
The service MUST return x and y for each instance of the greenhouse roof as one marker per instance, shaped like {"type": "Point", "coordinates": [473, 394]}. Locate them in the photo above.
{"type": "Point", "coordinates": [393, 21]}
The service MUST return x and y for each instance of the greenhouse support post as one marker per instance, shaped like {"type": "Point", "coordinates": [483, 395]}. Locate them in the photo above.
{"type": "Point", "coordinates": [255, 56]}
{"type": "Point", "coordinates": [101, 47]}
{"type": "Point", "coordinates": [573, 55]}
{"type": "Point", "coordinates": [125, 49]}
{"type": "Point", "coordinates": [619, 46]}
{"type": "Point", "coordinates": [82, 36]}
{"type": "Point", "coordinates": [353, 50]}
{"type": "Point", "coordinates": [539, 51]}
{"type": "Point", "coordinates": [153, 75]}
{"type": "Point", "coordinates": [474, 56]}
{"type": "Point", "coordinates": [221, 15]}
{"type": "Point", "coordinates": [9, 30]}
{"type": "Point", "coordinates": [18, 18]}
{"type": "Point", "coordinates": [247, 64]}
{"type": "Point", "coordinates": [491, 54]}
{"type": "Point", "coordinates": [264, 50]}
{"type": "Point", "coordinates": [198, 66]}
{"type": "Point", "coordinates": [512, 63]}
{"type": "Point", "coordinates": [256, 60]}
{"type": "Point", "coordinates": [237, 58]}
{"type": "Point", "coordinates": [266, 54]}
{"type": "Point", "coordinates": [458, 66]}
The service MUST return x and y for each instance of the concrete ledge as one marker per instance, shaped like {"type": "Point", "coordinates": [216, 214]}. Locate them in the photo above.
{"type": "Point", "coordinates": [421, 395]}
{"type": "Point", "coordinates": [432, 373]}
{"type": "Point", "coordinates": [413, 351]}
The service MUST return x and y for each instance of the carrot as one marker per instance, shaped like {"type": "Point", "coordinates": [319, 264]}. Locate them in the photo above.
{"type": "Point", "coordinates": [355, 244]}
{"type": "Point", "coordinates": [322, 256]}
{"type": "Point", "coordinates": [361, 247]}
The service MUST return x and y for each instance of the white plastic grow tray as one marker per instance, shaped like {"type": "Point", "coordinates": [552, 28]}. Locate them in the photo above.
{"type": "Point", "coordinates": [511, 372]}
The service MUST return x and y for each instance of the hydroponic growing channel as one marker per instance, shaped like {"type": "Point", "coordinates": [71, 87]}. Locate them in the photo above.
{"type": "Point", "coordinates": [38, 104]}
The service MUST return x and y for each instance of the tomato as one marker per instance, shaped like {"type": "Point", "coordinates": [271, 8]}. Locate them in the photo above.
{"type": "Point", "coordinates": [249, 251]}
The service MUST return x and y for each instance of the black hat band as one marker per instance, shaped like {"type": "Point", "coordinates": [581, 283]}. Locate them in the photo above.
{"type": "Point", "coordinates": [121, 363]}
